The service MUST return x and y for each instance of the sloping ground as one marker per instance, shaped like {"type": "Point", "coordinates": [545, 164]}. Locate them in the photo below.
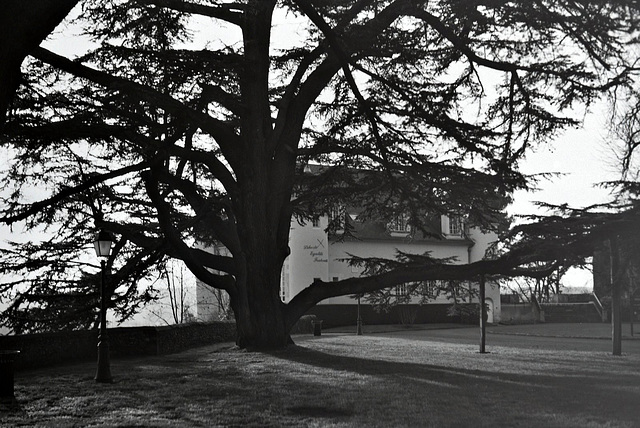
{"type": "Point", "coordinates": [342, 381]}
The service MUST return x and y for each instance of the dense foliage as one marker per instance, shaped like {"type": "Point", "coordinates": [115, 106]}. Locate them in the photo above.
{"type": "Point", "coordinates": [190, 123]}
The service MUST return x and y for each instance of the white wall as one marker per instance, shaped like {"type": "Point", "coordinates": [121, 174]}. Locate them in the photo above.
{"type": "Point", "coordinates": [313, 256]}
{"type": "Point", "coordinates": [309, 256]}
{"type": "Point", "coordinates": [387, 249]}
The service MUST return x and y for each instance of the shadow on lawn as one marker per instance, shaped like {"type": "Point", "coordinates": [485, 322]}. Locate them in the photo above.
{"type": "Point", "coordinates": [302, 386]}
{"type": "Point", "coordinates": [12, 407]}
{"type": "Point", "coordinates": [606, 395]}
{"type": "Point", "coordinates": [453, 377]}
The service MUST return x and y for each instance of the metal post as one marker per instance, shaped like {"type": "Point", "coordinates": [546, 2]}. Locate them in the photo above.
{"type": "Point", "coordinates": [7, 369]}
{"type": "Point", "coordinates": [103, 373]}
{"type": "Point", "coordinates": [483, 316]}
{"type": "Point", "coordinates": [616, 297]}
{"type": "Point", "coordinates": [359, 321]}
{"type": "Point", "coordinates": [632, 311]}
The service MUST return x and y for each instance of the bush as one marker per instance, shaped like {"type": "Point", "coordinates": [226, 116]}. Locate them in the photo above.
{"type": "Point", "coordinates": [304, 325]}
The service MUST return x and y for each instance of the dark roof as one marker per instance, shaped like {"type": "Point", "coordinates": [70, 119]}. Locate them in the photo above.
{"type": "Point", "coordinates": [378, 230]}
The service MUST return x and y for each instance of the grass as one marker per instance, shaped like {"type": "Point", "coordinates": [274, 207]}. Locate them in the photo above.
{"type": "Point", "coordinates": [591, 330]}
{"type": "Point", "coordinates": [341, 381]}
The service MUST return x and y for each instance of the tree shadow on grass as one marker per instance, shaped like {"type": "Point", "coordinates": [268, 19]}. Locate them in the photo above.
{"type": "Point", "coordinates": [582, 396]}
{"type": "Point", "coordinates": [11, 406]}
{"type": "Point", "coordinates": [302, 386]}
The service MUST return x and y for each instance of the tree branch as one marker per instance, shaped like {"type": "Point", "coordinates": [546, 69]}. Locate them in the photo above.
{"type": "Point", "coordinates": [224, 98]}
{"type": "Point", "coordinates": [317, 80]}
{"type": "Point", "coordinates": [342, 56]}
{"type": "Point", "coordinates": [227, 139]}
{"type": "Point", "coordinates": [223, 282]}
{"type": "Point", "coordinates": [37, 207]}
{"type": "Point", "coordinates": [229, 12]}
{"type": "Point", "coordinates": [23, 25]}
{"type": "Point", "coordinates": [142, 240]}
{"type": "Point", "coordinates": [215, 166]}
{"type": "Point", "coordinates": [512, 68]}
{"type": "Point", "coordinates": [320, 290]}
{"type": "Point", "coordinates": [224, 231]}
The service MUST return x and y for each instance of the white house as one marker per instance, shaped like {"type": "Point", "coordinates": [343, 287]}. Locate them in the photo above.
{"type": "Point", "coordinates": [317, 254]}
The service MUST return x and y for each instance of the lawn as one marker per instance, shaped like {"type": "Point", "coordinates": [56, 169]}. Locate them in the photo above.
{"type": "Point", "coordinates": [341, 380]}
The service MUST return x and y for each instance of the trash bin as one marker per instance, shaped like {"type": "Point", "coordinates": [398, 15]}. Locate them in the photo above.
{"type": "Point", "coordinates": [317, 327]}
{"type": "Point", "coordinates": [7, 368]}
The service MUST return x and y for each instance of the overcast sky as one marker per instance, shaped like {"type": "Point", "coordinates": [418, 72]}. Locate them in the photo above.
{"type": "Point", "coordinates": [585, 160]}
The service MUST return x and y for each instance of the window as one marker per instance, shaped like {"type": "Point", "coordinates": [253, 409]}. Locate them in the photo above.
{"type": "Point", "coordinates": [456, 226]}
{"type": "Point", "coordinates": [430, 288]}
{"type": "Point", "coordinates": [315, 222]}
{"type": "Point", "coordinates": [337, 218]}
{"type": "Point", "coordinates": [400, 224]}
{"type": "Point", "coordinates": [402, 290]}
{"type": "Point", "coordinates": [284, 283]}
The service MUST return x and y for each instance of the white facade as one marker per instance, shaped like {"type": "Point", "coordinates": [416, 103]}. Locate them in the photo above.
{"type": "Point", "coordinates": [315, 255]}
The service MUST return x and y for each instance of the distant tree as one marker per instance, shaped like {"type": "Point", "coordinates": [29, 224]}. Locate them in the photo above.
{"type": "Point", "coordinates": [186, 142]}
{"type": "Point", "coordinates": [616, 260]}
{"type": "Point", "coordinates": [177, 294]}
{"type": "Point", "coordinates": [542, 288]}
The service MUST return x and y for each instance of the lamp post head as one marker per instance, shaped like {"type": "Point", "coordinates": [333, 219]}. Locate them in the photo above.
{"type": "Point", "coordinates": [102, 243]}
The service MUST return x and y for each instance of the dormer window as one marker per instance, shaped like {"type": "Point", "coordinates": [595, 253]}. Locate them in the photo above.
{"type": "Point", "coordinates": [456, 226]}
{"type": "Point", "coordinates": [400, 224]}
{"type": "Point", "coordinates": [402, 290]}
{"type": "Point", "coordinates": [337, 215]}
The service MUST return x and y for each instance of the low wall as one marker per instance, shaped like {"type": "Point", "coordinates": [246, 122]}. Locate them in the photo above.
{"type": "Point", "coordinates": [552, 313]}
{"type": "Point", "coordinates": [572, 298]}
{"type": "Point", "coordinates": [433, 313]}
{"type": "Point", "coordinates": [571, 312]}
{"type": "Point", "coordinates": [518, 314]}
{"type": "Point", "coordinates": [46, 349]}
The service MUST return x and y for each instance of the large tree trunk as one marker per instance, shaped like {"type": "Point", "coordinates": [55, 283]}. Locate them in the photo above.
{"type": "Point", "coordinates": [263, 222]}
{"type": "Point", "coordinates": [259, 312]}
{"type": "Point", "coordinates": [261, 214]}
{"type": "Point", "coordinates": [260, 316]}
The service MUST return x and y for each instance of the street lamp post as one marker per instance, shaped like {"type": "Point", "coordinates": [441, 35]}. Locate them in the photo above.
{"type": "Point", "coordinates": [102, 246]}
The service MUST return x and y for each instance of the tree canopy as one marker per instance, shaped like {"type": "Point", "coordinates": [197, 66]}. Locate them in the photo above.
{"type": "Point", "coordinates": [190, 124]}
{"type": "Point", "coordinates": [23, 25]}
